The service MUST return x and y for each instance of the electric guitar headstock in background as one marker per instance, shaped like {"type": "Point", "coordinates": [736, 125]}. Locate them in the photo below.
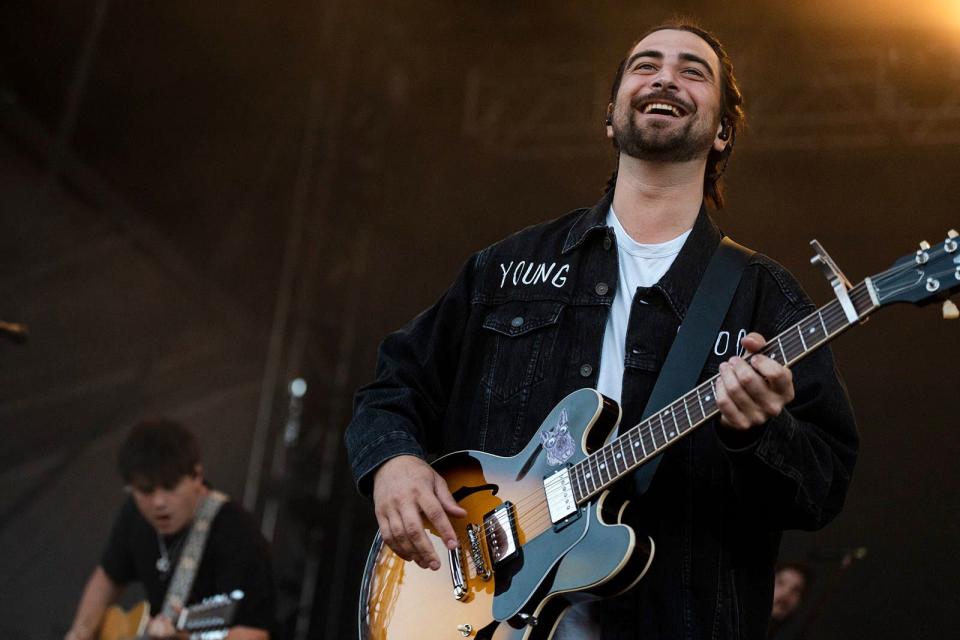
{"type": "Point", "coordinates": [926, 276]}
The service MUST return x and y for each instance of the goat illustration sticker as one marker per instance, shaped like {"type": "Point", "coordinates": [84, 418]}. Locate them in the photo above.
{"type": "Point", "coordinates": [557, 441]}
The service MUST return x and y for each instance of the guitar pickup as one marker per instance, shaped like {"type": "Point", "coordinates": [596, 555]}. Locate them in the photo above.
{"type": "Point", "coordinates": [500, 527]}
{"type": "Point", "coordinates": [560, 499]}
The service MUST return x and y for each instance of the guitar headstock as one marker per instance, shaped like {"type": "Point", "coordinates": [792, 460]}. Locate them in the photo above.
{"type": "Point", "coordinates": [930, 274]}
{"type": "Point", "coordinates": [215, 612]}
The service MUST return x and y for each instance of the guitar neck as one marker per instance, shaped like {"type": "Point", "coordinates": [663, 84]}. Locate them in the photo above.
{"type": "Point", "coordinates": [653, 435]}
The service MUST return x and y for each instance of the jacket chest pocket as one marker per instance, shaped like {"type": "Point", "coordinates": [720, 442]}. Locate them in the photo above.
{"type": "Point", "coordinates": [521, 338]}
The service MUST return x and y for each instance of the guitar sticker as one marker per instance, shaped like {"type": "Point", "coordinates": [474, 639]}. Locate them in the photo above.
{"type": "Point", "coordinates": [557, 441]}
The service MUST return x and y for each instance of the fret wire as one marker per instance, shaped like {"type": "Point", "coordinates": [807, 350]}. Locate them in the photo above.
{"type": "Point", "coordinates": [832, 320]}
{"type": "Point", "coordinates": [613, 458]}
{"type": "Point", "coordinates": [809, 326]}
{"type": "Point", "coordinates": [663, 429]}
{"type": "Point", "coordinates": [632, 448]}
{"type": "Point", "coordinates": [603, 465]}
{"type": "Point", "coordinates": [696, 405]}
{"type": "Point", "coordinates": [588, 477]}
{"type": "Point", "coordinates": [644, 432]}
{"type": "Point", "coordinates": [595, 469]}
{"type": "Point", "coordinates": [623, 455]}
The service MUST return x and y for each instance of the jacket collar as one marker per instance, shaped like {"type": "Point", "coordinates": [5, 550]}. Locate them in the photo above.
{"type": "Point", "coordinates": [680, 282]}
{"type": "Point", "coordinates": [588, 221]}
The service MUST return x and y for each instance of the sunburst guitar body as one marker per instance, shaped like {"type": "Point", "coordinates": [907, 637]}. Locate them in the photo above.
{"type": "Point", "coordinates": [516, 569]}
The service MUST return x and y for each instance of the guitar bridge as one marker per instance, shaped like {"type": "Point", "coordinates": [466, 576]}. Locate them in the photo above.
{"type": "Point", "coordinates": [500, 527]}
{"type": "Point", "coordinates": [476, 552]}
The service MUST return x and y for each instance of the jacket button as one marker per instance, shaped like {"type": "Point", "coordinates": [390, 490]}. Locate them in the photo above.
{"type": "Point", "coordinates": [601, 288]}
{"type": "Point", "coordinates": [607, 243]}
{"type": "Point", "coordinates": [586, 370]}
{"type": "Point", "coordinates": [517, 322]}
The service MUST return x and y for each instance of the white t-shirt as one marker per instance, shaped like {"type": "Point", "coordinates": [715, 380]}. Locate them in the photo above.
{"type": "Point", "coordinates": [640, 265]}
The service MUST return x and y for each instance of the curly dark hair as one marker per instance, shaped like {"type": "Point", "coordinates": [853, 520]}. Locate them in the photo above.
{"type": "Point", "coordinates": [731, 108]}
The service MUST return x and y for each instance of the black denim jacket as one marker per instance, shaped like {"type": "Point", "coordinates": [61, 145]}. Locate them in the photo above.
{"type": "Point", "coordinates": [522, 326]}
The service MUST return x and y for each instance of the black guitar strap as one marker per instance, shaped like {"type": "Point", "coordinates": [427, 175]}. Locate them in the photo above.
{"type": "Point", "coordinates": [686, 358]}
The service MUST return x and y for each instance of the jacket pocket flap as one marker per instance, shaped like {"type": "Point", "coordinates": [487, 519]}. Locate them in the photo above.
{"type": "Point", "coordinates": [517, 318]}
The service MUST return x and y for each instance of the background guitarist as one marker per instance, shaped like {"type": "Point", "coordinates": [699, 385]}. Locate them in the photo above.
{"type": "Point", "coordinates": [594, 299]}
{"type": "Point", "coordinates": [160, 464]}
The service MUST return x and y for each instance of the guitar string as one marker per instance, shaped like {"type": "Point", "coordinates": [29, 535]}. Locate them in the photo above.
{"type": "Point", "coordinates": [786, 340]}
{"type": "Point", "coordinates": [789, 339]}
{"type": "Point", "coordinates": [792, 339]}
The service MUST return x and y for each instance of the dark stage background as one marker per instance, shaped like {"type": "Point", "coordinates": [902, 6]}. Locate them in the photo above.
{"type": "Point", "coordinates": [201, 201]}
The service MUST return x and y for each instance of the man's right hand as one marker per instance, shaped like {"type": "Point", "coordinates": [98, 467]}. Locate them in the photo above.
{"type": "Point", "coordinates": [405, 491]}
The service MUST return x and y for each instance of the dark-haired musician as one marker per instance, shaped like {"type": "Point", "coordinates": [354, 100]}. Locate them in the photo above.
{"type": "Point", "coordinates": [160, 464]}
{"type": "Point", "coordinates": [594, 299]}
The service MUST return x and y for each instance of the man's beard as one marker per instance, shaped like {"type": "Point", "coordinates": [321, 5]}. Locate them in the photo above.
{"type": "Point", "coordinates": [661, 145]}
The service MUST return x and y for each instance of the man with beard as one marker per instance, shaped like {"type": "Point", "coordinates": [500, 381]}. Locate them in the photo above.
{"type": "Point", "coordinates": [790, 588]}
{"type": "Point", "coordinates": [595, 299]}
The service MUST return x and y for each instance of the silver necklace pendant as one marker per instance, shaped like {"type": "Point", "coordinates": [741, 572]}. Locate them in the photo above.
{"type": "Point", "coordinates": [163, 562]}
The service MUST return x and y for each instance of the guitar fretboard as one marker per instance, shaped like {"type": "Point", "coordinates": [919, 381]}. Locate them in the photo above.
{"type": "Point", "coordinates": [654, 434]}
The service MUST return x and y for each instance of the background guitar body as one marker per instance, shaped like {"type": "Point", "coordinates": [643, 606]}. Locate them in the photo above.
{"type": "Point", "coordinates": [586, 556]}
{"type": "Point", "coordinates": [119, 624]}
{"type": "Point", "coordinates": [211, 616]}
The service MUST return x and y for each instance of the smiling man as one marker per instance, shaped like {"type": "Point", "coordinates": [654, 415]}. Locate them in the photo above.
{"type": "Point", "coordinates": [484, 366]}
{"type": "Point", "coordinates": [160, 465]}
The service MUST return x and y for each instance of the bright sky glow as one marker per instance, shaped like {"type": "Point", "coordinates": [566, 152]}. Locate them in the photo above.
{"type": "Point", "coordinates": [922, 14]}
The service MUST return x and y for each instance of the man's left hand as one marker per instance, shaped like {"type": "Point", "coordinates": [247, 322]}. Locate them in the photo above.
{"type": "Point", "coordinates": [750, 393]}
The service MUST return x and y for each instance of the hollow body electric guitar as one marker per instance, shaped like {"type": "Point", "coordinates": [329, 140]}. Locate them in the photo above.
{"type": "Point", "coordinates": [542, 529]}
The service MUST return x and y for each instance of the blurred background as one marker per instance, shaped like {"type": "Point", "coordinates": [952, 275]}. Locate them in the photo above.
{"type": "Point", "coordinates": [201, 202]}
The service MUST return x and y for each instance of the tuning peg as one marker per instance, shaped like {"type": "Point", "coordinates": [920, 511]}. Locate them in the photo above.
{"type": "Point", "coordinates": [924, 245]}
{"type": "Point", "coordinates": [950, 244]}
{"type": "Point", "coordinates": [950, 311]}
{"type": "Point", "coordinates": [952, 233]}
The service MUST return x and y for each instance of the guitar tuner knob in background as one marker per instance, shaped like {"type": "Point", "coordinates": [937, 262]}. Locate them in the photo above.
{"type": "Point", "coordinates": [950, 244]}
{"type": "Point", "coordinates": [950, 311]}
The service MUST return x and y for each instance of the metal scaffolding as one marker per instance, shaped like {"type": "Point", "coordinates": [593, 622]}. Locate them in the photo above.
{"type": "Point", "coordinates": [826, 97]}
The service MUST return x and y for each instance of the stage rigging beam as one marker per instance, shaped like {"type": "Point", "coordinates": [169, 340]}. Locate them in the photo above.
{"type": "Point", "coordinates": [847, 98]}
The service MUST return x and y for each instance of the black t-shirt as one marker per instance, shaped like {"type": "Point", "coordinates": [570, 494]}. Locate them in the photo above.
{"type": "Point", "coordinates": [235, 557]}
